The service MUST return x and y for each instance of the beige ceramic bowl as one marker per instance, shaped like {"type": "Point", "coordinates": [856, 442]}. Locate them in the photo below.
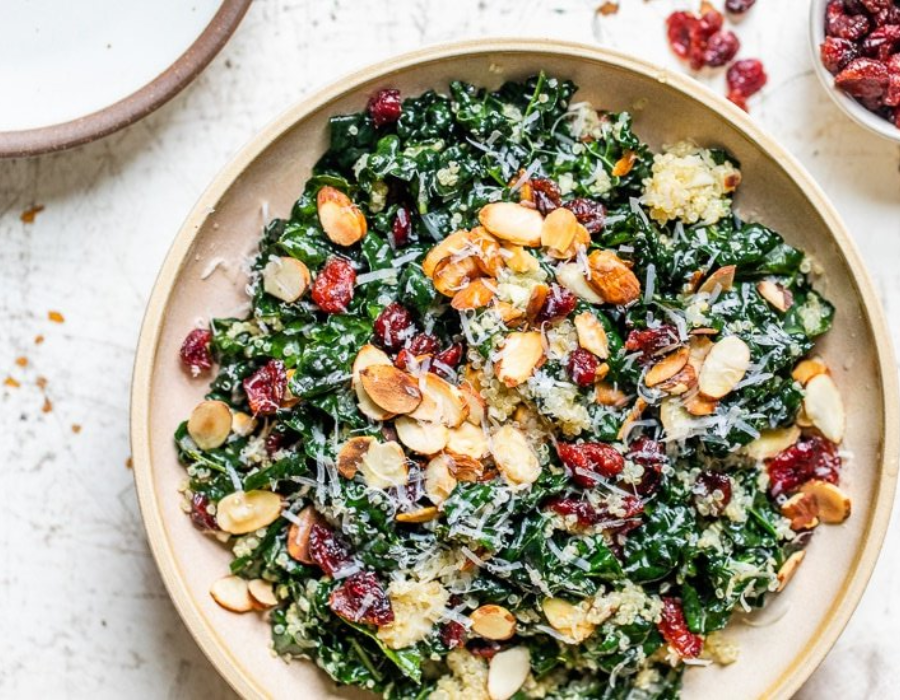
{"type": "Point", "coordinates": [269, 174]}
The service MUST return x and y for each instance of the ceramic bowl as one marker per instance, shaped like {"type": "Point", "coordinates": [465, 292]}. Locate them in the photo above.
{"type": "Point", "coordinates": [268, 175]}
{"type": "Point", "coordinates": [849, 106]}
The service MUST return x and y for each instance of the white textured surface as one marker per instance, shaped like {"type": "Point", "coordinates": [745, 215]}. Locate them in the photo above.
{"type": "Point", "coordinates": [82, 609]}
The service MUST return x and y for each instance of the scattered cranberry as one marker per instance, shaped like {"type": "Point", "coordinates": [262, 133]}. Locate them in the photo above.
{"type": "Point", "coordinates": [745, 78]}
{"type": "Point", "coordinates": [195, 351]}
{"type": "Point", "coordinates": [560, 302]}
{"type": "Point", "coordinates": [583, 367]}
{"type": "Point", "coordinates": [584, 459]}
{"type": "Point", "coordinates": [394, 326]}
{"type": "Point", "coordinates": [680, 27]}
{"type": "Point", "coordinates": [423, 344]}
{"type": "Point", "coordinates": [200, 515]}
{"type": "Point", "coordinates": [485, 648]}
{"type": "Point", "coordinates": [401, 229]}
{"type": "Point", "coordinates": [651, 455]}
{"type": "Point", "coordinates": [865, 78]}
{"type": "Point", "coordinates": [362, 598]}
{"type": "Point", "coordinates": [739, 7]}
{"type": "Point", "coordinates": [721, 48]}
{"type": "Point", "coordinates": [590, 214]}
{"type": "Point", "coordinates": [651, 341]}
{"type": "Point", "coordinates": [690, 38]}
{"type": "Point", "coordinates": [274, 442]}
{"type": "Point", "coordinates": [453, 634]}
{"type": "Point", "coordinates": [265, 388]}
{"type": "Point", "coordinates": [837, 53]}
{"type": "Point", "coordinates": [385, 107]}
{"type": "Point", "coordinates": [585, 514]}
{"type": "Point", "coordinates": [328, 549]}
{"type": "Point", "coordinates": [713, 489]}
{"type": "Point", "coordinates": [809, 458]}
{"type": "Point", "coordinates": [546, 195]}
{"type": "Point", "coordinates": [333, 289]}
{"type": "Point", "coordinates": [673, 627]}
{"type": "Point", "coordinates": [450, 357]}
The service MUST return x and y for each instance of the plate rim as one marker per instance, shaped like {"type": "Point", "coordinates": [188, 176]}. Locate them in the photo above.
{"type": "Point", "coordinates": [806, 659]}
{"type": "Point", "coordinates": [23, 143]}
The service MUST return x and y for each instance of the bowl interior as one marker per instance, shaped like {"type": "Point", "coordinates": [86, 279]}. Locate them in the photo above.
{"type": "Point", "coordinates": [269, 175]}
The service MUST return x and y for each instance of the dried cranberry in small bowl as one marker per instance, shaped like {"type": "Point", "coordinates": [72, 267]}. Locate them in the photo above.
{"type": "Point", "coordinates": [195, 351]}
{"type": "Point", "coordinates": [839, 23]}
{"type": "Point", "coordinates": [864, 78]}
{"type": "Point", "coordinates": [394, 326]}
{"type": "Point", "coordinates": [837, 53]}
{"type": "Point", "coordinates": [385, 107]}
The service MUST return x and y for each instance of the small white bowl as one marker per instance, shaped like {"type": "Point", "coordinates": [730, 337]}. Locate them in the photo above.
{"type": "Point", "coordinates": [848, 105]}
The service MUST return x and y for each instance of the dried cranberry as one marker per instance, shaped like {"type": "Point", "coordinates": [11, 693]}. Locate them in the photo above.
{"type": "Point", "coordinates": [837, 53]}
{"type": "Point", "coordinates": [195, 351]}
{"type": "Point", "coordinates": [809, 458]}
{"type": "Point", "coordinates": [651, 455]}
{"type": "Point", "coordinates": [882, 42]}
{"type": "Point", "coordinates": [680, 29]}
{"type": "Point", "coordinates": [328, 549]}
{"type": "Point", "coordinates": [485, 648]}
{"type": "Point", "coordinates": [585, 459]}
{"type": "Point", "coordinates": [423, 344]}
{"type": "Point", "coordinates": [274, 442]}
{"type": "Point", "coordinates": [585, 514]}
{"type": "Point", "coordinates": [265, 388]}
{"type": "Point", "coordinates": [583, 367]}
{"type": "Point", "coordinates": [590, 214]}
{"type": "Point", "coordinates": [876, 6]}
{"type": "Point", "coordinates": [401, 229]}
{"type": "Point", "coordinates": [892, 94]}
{"type": "Point", "coordinates": [546, 195]}
{"type": "Point", "coordinates": [200, 515]}
{"type": "Point", "coordinates": [453, 634]}
{"type": "Point", "coordinates": [394, 326]}
{"type": "Point", "coordinates": [887, 15]}
{"type": "Point", "coordinates": [713, 490]}
{"type": "Point", "coordinates": [362, 598]}
{"type": "Point", "coordinates": [333, 289]}
{"type": "Point", "coordinates": [864, 78]}
{"type": "Point", "coordinates": [559, 303]}
{"type": "Point", "coordinates": [746, 77]}
{"type": "Point", "coordinates": [739, 7]}
{"type": "Point", "coordinates": [721, 48]}
{"type": "Point", "coordinates": [710, 22]}
{"type": "Point", "coordinates": [385, 107]}
{"type": "Point", "coordinates": [854, 7]}
{"type": "Point", "coordinates": [673, 627]}
{"type": "Point", "coordinates": [447, 358]}
{"type": "Point", "coordinates": [842, 25]}
{"type": "Point", "coordinates": [651, 341]}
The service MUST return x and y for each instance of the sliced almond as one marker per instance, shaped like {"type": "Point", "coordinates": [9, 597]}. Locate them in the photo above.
{"type": "Point", "coordinates": [539, 294]}
{"type": "Point", "coordinates": [612, 279]}
{"type": "Point", "coordinates": [521, 354]}
{"type": "Point", "coordinates": [469, 440]}
{"type": "Point", "coordinates": [351, 455]}
{"type": "Point", "coordinates": [298, 535]}
{"type": "Point", "coordinates": [384, 466]}
{"type": "Point", "coordinates": [455, 244]}
{"type": "Point", "coordinates": [210, 424]}
{"type": "Point", "coordinates": [391, 389]}
{"type": "Point", "coordinates": [571, 276]}
{"type": "Point", "coordinates": [369, 356]}
{"type": "Point", "coordinates": [466, 468]}
{"type": "Point", "coordinates": [699, 405]}
{"type": "Point", "coordinates": [232, 593]}
{"type": "Point", "coordinates": [601, 371]}
{"type": "Point", "coordinates": [559, 229]}
{"type": "Point", "coordinates": [422, 436]}
{"type": "Point", "coordinates": [803, 420]}
{"type": "Point", "coordinates": [680, 383]}
{"type": "Point", "coordinates": [247, 511]}
{"type": "Point", "coordinates": [514, 457]}
{"type": "Point", "coordinates": [608, 395]}
{"type": "Point", "coordinates": [422, 515]}
{"type": "Point", "coordinates": [452, 275]}
{"type": "Point", "coordinates": [489, 255]}
{"type": "Point", "coordinates": [624, 165]}
{"type": "Point", "coordinates": [570, 620]}
{"type": "Point", "coordinates": [667, 367]}
{"type": "Point", "coordinates": [262, 593]}
{"type": "Point", "coordinates": [788, 569]}
{"type": "Point", "coordinates": [475, 295]}
{"type": "Point", "coordinates": [807, 369]}
{"type": "Point", "coordinates": [513, 222]}
{"type": "Point", "coordinates": [511, 316]}
{"type": "Point", "coordinates": [634, 415]}
{"type": "Point", "coordinates": [581, 241]}
{"type": "Point", "coordinates": [771, 442]}
{"type": "Point", "coordinates": [592, 334]}
{"type": "Point", "coordinates": [341, 219]}
{"type": "Point", "coordinates": [520, 260]}
{"type": "Point", "coordinates": [441, 402]}
{"type": "Point", "coordinates": [825, 408]}
{"type": "Point", "coordinates": [802, 510]}
{"type": "Point", "coordinates": [439, 481]}
{"type": "Point", "coordinates": [779, 297]}
{"type": "Point", "coordinates": [832, 502]}
{"type": "Point", "coordinates": [475, 403]}
{"type": "Point", "coordinates": [722, 279]}
{"type": "Point", "coordinates": [493, 622]}
{"type": "Point", "coordinates": [724, 367]}
{"type": "Point", "coordinates": [700, 346]}
{"type": "Point", "coordinates": [286, 278]}
{"type": "Point", "coordinates": [507, 672]}
{"type": "Point", "coordinates": [675, 419]}
{"type": "Point", "coordinates": [242, 424]}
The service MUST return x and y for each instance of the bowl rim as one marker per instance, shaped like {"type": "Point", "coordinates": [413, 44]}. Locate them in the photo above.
{"type": "Point", "coordinates": [853, 109]}
{"type": "Point", "coordinates": [808, 658]}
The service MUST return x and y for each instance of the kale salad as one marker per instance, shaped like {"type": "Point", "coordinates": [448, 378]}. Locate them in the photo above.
{"type": "Point", "coordinates": [521, 409]}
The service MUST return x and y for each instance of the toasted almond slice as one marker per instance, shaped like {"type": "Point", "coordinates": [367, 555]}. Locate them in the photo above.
{"type": "Point", "coordinates": [803, 420]}
{"type": "Point", "coordinates": [511, 316]}
{"type": "Point", "coordinates": [519, 260]}
{"type": "Point", "coordinates": [825, 408]}
{"type": "Point", "coordinates": [247, 511]}
{"type": "Point", "coordinates": [612, 279]}
{"type": "Point", "coordinates": [422, 515]}
{"type": "Point", "coordinates": [441, 402]}
{"type": "Point", "coordinates": [452, 245]}
{"type": "Point", "coordinates": [608, 395]}
{"type": "Point", "coordinates": [779, 297]}
{"type": "Point", "coordinates": [466, 468]}
{"type": "Point", "coordinates": [262, 593]}
{"type": "Point", "coordinates": [391, 389]}
{"type": "Point", "coordinates": [476, 294]}
{"type": "Point", "coordinates": [559, 228]}
{"type": "Point", "coordinates": [475, 403]}
{"type": "Point", "coordinates": [802, 510]}
{"type": "Point", "coordinates": [788, 569]}
{"type": "Point", "coordinates": [633, 415]}
{"type": "Point", "coordinates": [624, 165]}
{"type": "Point", "coordinates": [469, 440]}
{"type": "Point", "coordinates": [514, 457]}
{"type": "Point", "coordinates": [680, 383]}
{"type": "Point", "coordinates": [667, 367]}
{"type": "Point", "coordinates": [351, 455]}
{"type": "Point", "coordinates": [439, 480]}
{"type": "Point", "coordinates": [489, 256]}
{"type": "Point", "coordinates": [513, 222]}
{"type": "Point", "coordinates": [699, 405]}
{"type": "Point", "coordinates": [601, 371]}
{"type": "Point", "coordinates": [421, 436]}
{"type": "Point", "coordinates": [722, 279]}
{"type": "Point", "coordinates": [507, 672]}
{"type": "Point", "coordinates": [369, 356]}
{"type": "Point", "coordinates": [298, 535]}
{"type": "Point", "coordinates": [521, 354]}
{"type": "Point", "coordinates": [581, 241]}
{"type": "Point", "coordinates": [571, 277]}
{"type": "Point", "coordinates": [771, 442]}
{"type": "Point", "coordinates": [341, 219]}
{"type": "Point", "coordinates": [724, 367]}
{"type": "Point", "coordinates": [807, 369]}
{"type": "Point", "coordinates": [452, 275]}
{"type": "Point", "coordinates": [700, 346]}
{"type": "Point", "coordinates": [289, 400]}
{"type": "Point", "coordinates": [384, 466]}
{"type": "Point", "coordinates": [569, 619]}
{"type": "Point", "coordinates": [242, 424]}
{"type": "Point", "coordinates": [592, 334]}
{"type": "Point", "coordinates": [232, 593]}
{"type": "Point", "coordinates": [675, 419]}
{"type": "Point", "coordinates": [285, 278]}
{"type": "Point", "coordinates": [493, 622]}
{"type": "Point", "coordinates": [210, 424]}
{"type": "Point", "coordinates": [536, 301]}
{"type": "Point", "coordinates": [833, 503]}
{"type": "Point", "coordinates": [703, 331]}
